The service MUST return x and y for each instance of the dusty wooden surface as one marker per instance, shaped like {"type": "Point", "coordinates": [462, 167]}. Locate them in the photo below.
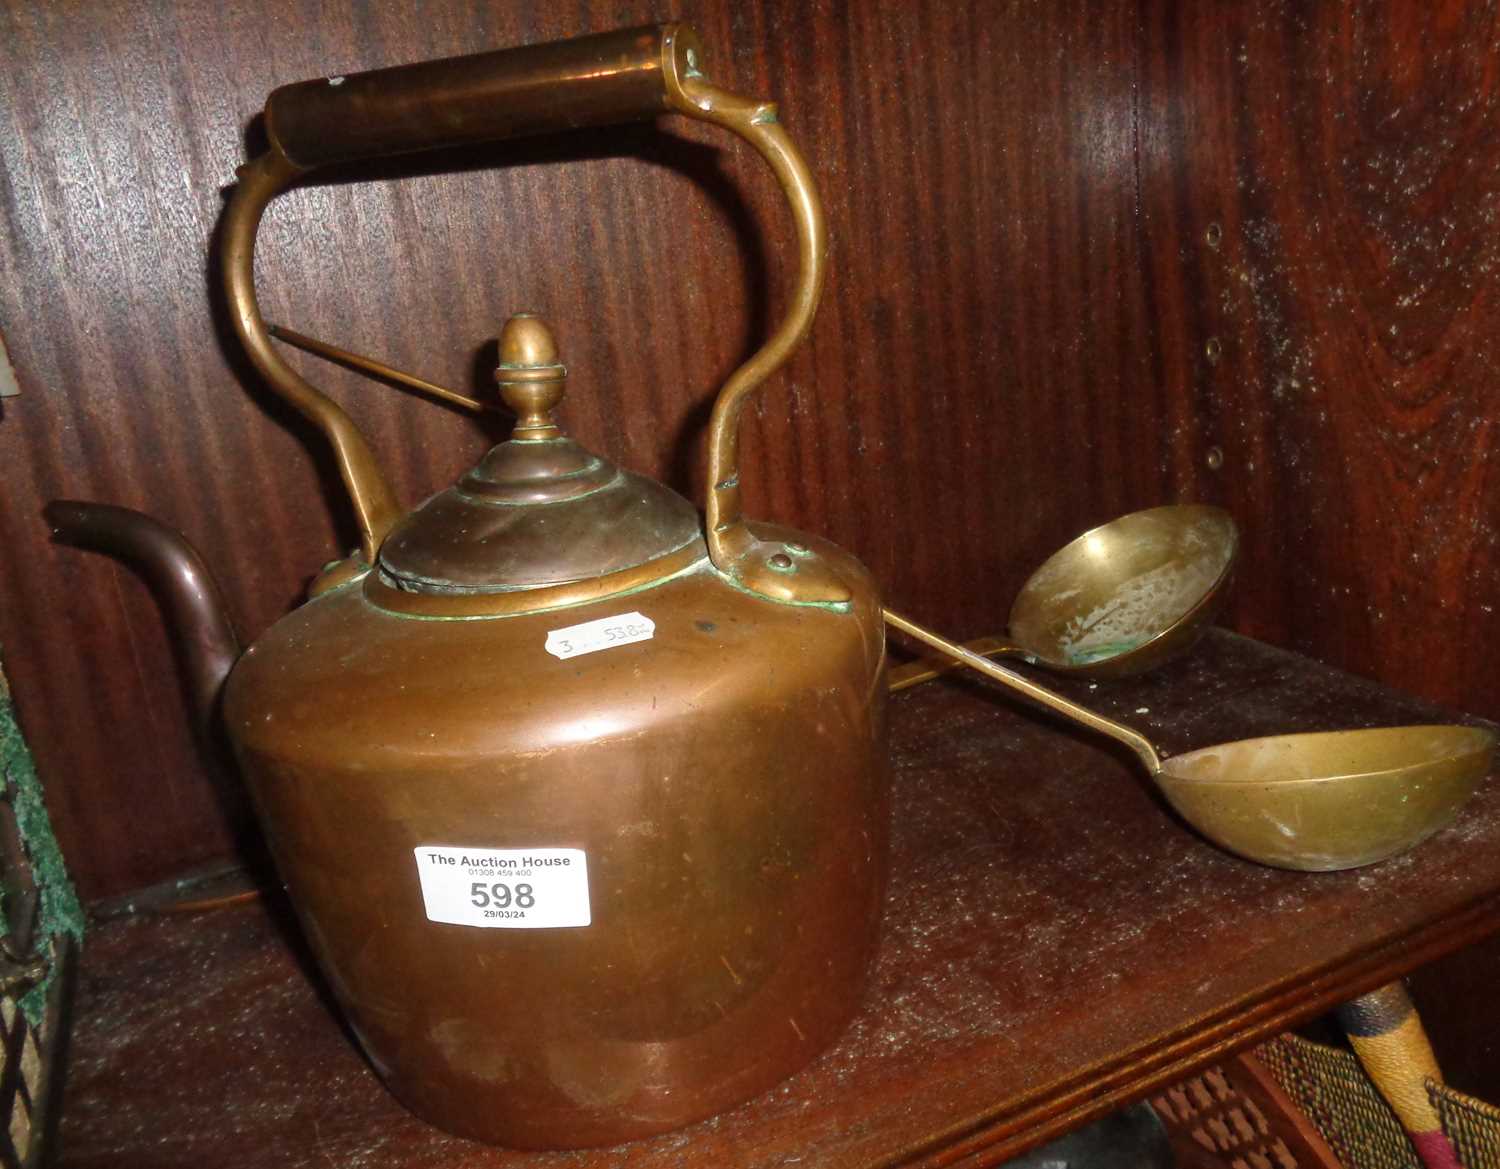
{"type": "Point", "coordinates": [1055, 943]}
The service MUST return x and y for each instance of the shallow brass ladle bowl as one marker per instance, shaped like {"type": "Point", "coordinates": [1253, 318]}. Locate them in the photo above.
{"type": "Point", "coordinates": [1119, 600]}
{"type": "Point", "coordinates": [1334, 800]}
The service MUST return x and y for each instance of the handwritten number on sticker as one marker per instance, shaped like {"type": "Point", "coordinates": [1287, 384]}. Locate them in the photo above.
{"type": "Point", "coordinates": [605, 633]}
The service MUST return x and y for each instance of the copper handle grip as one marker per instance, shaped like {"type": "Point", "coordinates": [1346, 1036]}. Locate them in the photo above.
{"type": "Point", "coordinates": [587, 81]}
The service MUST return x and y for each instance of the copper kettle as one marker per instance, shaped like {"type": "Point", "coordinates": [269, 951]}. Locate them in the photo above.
{"type": "Point", "coordinates": [581, 798]}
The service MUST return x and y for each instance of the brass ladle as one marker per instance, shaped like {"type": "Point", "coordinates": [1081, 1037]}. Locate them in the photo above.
{"type": "Point", "coordinates": [1334, 800]}
{"type": "Point", "coordinates": [1119, 600]}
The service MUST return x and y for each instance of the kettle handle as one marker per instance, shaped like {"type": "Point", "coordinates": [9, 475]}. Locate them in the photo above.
{"type": "Point", "coordinates": [608, 77]}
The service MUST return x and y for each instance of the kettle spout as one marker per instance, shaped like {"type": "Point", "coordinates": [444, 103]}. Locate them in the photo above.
{"type": "Point", "coordinates": [184, 587]}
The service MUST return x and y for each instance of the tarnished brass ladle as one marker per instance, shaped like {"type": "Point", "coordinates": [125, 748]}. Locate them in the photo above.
{"type": "Point", "coordinates": [1119, 600]}
{"type": "Point", "coordinates": [1335, 800]}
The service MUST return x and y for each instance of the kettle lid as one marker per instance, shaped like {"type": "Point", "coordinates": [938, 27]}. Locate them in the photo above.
{"type": "Point", "coordinates": [538, 510]}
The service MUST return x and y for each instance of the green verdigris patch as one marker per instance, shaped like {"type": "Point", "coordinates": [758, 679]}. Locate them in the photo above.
{"type": "Point", "coordinates": [60, 912]}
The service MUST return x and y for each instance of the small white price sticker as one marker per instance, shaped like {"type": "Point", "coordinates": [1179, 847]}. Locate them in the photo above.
{"type": "Point", "coordinates": [511, 888]}
{"type": "Point", "coordinates": [605, 633]}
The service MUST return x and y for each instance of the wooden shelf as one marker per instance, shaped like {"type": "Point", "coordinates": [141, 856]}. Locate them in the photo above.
{"type": "Point", "coordinates": [1056, 943]}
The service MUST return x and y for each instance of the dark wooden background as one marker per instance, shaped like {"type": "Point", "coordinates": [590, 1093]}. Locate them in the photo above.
{"type": "Point", "coordinates": [1086, 258]}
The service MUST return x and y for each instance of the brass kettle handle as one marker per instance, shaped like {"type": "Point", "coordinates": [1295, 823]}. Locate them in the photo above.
{"type": "Point", "coordinates": [608, 77]}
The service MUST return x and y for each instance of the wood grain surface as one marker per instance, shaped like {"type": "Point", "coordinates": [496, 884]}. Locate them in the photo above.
{"type": "Point", "coordinates": [1328, 224]}
{"type": "Point", "coordinates": [1086, 258]}
{"type": "Point", "coordinates": [1055, 943]}
{"type": "Point", "coordinates": [1346, 160]}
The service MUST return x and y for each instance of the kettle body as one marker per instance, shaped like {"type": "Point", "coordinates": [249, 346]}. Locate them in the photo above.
{"type": "Point", "coordinates": [706, 810]}
{"type": "Point", "coordinates": [580, 796]}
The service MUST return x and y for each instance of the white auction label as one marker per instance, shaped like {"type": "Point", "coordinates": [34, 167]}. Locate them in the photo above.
{"type": "Point", "coordinates": [512, 888]}
{"type": "Point", "coordinates": [605, 633]}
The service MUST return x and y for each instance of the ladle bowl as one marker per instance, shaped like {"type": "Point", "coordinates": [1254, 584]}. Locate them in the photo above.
{"type": "Point", "coordinates": [1332, 800]}
{"type": "Point", "coordinates": [1315, 802]}
{"type": "Point", "coordinates": [1118, 600]}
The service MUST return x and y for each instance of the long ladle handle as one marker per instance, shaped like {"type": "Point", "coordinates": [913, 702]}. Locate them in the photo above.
{"type": "Point", "coordinates": [922, 670]}
{"type": "Point", "coordinates": [376, 370]}
{"type": "Point", "coordinates": [1038, 694]}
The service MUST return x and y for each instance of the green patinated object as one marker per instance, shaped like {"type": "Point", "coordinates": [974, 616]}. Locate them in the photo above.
{"type": "Point", "coordinates": [60, 912]}
{"type": "Point", "coordinates": [1101, 653]}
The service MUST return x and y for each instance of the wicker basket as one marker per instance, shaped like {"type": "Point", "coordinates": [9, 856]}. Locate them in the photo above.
{"type": "Point", "coordinates": [1331, 1087]}
{"type": "Point", "coordinates": [1295, 1104]}
{"type": "Point", "coordinates": [1472, 1126]}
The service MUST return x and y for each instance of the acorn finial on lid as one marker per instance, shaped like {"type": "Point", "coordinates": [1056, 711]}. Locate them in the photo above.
{"type": "Point", "coordinates": [531, 379]}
